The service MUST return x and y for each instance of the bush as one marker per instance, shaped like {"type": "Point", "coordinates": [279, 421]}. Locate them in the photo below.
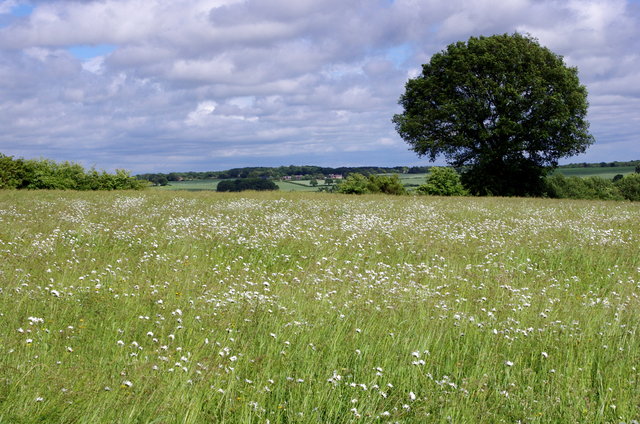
{"type": "Point", "coordinates": [629, 187]}
{"type": "Point", "coordinates": [360, 184]}
{"type": "Point", "coordinates": [387, 184]}
{"type": "Point", "coordinates": [594, 188]}
{"type": "Point", "coordinates": [257, 184]}
{"type": "Point", "coordinates": [443, 181]}
{"type": "Point", "coordinates": [354, 184]}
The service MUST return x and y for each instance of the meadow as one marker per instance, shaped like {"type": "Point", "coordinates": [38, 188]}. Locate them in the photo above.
{"type": "Point", "coordinates": [193, 307]}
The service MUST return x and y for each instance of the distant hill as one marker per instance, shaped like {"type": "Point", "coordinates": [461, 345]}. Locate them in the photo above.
{"type": "Point", "coordinates": [308, 172]}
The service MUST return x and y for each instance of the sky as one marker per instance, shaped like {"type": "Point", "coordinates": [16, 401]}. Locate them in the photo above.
{"type": "Point", "coordinates": [200, 85]}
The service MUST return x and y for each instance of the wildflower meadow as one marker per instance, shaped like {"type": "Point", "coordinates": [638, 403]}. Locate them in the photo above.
{"type": "Point", "coordinates": [166, 307]}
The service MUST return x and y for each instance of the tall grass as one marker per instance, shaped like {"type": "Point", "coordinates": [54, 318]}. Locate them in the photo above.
{"type": "Point", "coordinates": [286, 307]}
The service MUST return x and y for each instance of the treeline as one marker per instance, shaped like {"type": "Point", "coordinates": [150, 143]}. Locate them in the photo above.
{"type": "Point", "coordinates": [319, 172]}
{"type": "Point", "coordinates": [306, 171]}
{"type": "Point", "coordinates": [602, 164]}
{"type": "Point", "coordinates": [35, 174]}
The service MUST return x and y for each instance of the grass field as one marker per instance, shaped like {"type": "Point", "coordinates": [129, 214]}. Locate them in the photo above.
{"type": "Point", "coordinates": [298, 186]}
{"type": "Point", "coordinates": [604, 172]}
{"type": "Point", "coordinates": [166, 307]}
{"type": "Point", "coordinates": [191, 185]}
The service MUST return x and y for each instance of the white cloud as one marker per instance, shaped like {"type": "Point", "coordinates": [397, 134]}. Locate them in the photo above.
{"type": "Point", "coordinates": [6, 6]}
{"type": "Point", "coordinates": [201, 112]}
{"type": "Point", "coordinates": [279, 79]}
{"type": "Point", "coordinates": [94, 65]}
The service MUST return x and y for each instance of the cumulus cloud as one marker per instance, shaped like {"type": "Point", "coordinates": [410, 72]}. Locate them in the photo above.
{"type": "Point", "coordinates": [209, 84]}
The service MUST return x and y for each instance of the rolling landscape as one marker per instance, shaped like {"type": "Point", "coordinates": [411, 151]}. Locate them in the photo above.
{"type": "Point", "coordinates": [409, 180]}
{"type": "Point", "coordinates": [319, 212]}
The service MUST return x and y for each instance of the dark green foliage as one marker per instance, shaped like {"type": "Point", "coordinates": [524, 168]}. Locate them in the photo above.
{"type": "Point", "coordinates": [595, 188]}
{"type": "Point", "coordinates": [48, 174]}
{"type": "Point", "coordinates": [638, 168]}
{"type": "Point", "coordinates": [617, 177]}
{"type": "Point", "coordinates": [418, 170]}
{"type": "Point", "coordinates": [159, 180]}
{"type": "Point", "coordinates": [515, 178]}
{"type": "Point", "coordinates": [503, 108]}
{"type": "Point", "coordinates": [629, 187]}
{"type": "Point", "coordinates": [361, 184]}
{"type": "Point", "coordinates": [602, 164]}
{"type": "Point", "coordinates": [354, 184]}
{"type": "Point", "coordinates": [13, 172]}
{"type": "Point", "coordinates": [443, 182]}
{"type": "Point", "coordinates": [387, 184]}
{"type": "Point", "coordinates": [257, 184]}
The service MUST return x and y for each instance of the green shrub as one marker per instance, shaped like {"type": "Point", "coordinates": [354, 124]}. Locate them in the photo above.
{"type": "Point", "coordinates": [387, 184]}
{"type": "Point", "coordinates": [629, 187]}
{"type": "Point", "coordinates": [354, 184]}
{"type": "Point", "coordinates": [361, 184]}
{"type": "Point", "coordinates": [594, 188]}
{"type": "Point", "coordinates": [443, 181]}
{"type": "Point", "coordinates": [12, 172]}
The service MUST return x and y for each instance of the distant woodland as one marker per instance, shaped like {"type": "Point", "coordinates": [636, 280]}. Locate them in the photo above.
{"type": "Point", "coordinates": [307, 172]}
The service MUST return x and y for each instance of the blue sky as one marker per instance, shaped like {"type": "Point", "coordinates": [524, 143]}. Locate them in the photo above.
{"type": "Point", "coordinates": [163, 85]}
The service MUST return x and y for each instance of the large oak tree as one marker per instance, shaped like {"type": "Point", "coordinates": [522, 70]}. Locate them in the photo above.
{"type": "Point", "coordinates": [502, 108]}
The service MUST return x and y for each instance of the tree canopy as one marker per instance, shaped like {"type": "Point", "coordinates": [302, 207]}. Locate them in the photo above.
{"type": "Point", "coordinates": [257, 184]}
{"type": "Point", "coordinates": [503, 109]}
